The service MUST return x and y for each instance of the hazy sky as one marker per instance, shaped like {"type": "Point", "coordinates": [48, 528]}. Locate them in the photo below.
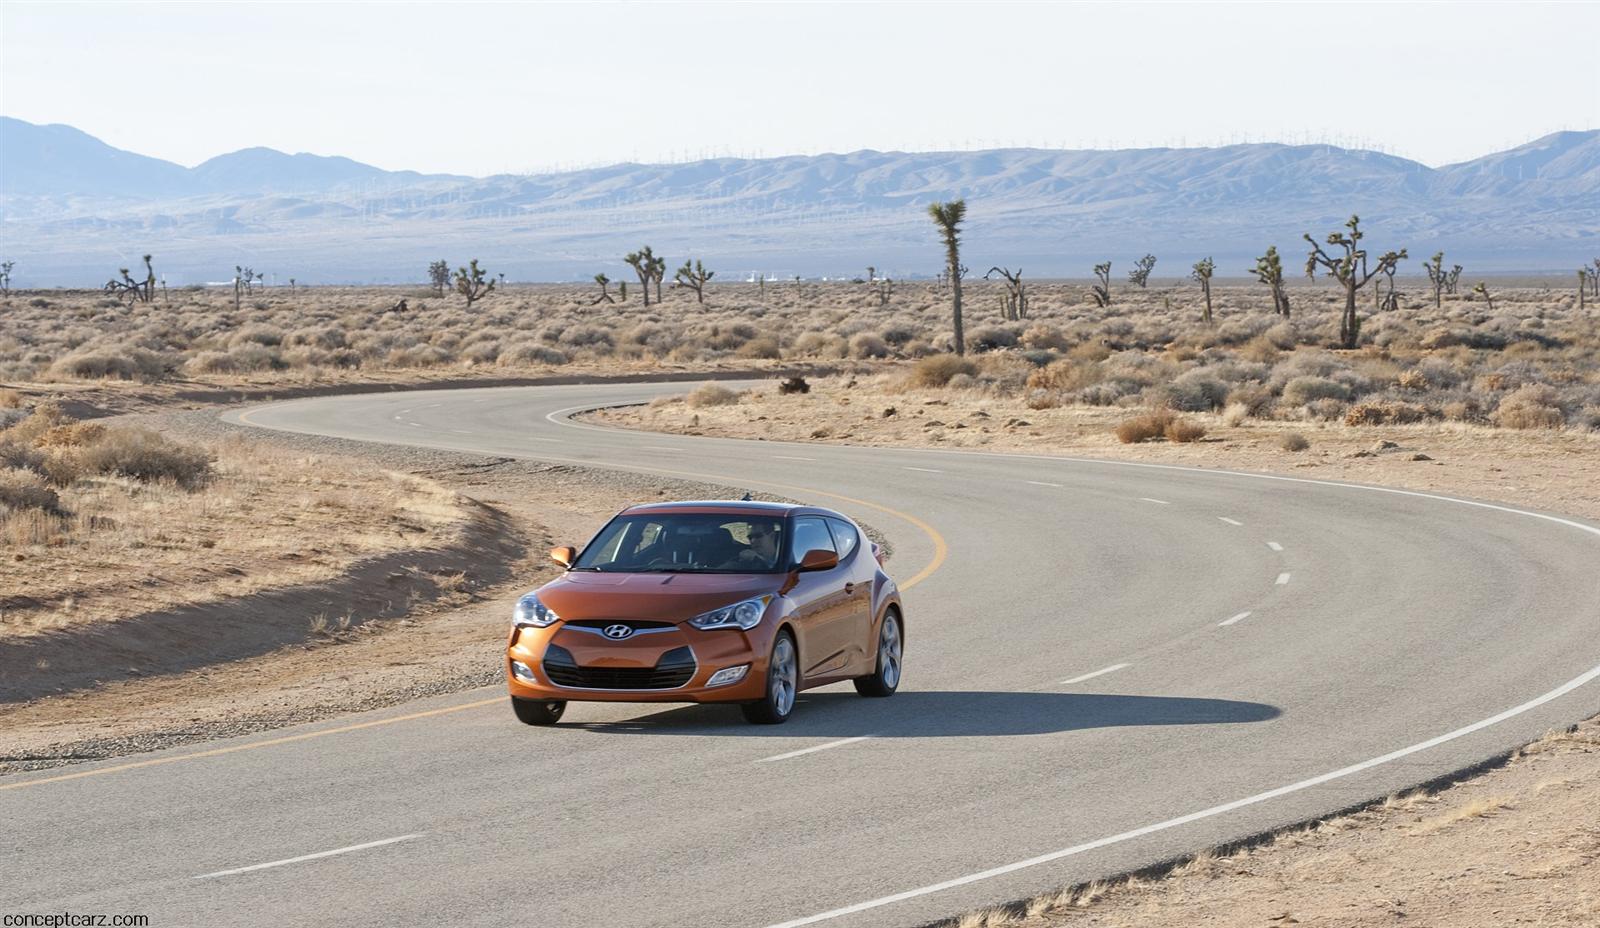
{"type": "Point", "coordinates": [484, 88]}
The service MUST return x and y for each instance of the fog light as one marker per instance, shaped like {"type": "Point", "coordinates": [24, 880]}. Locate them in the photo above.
{"type": "Point", "coordinates": [728, 675]}
{"type": "Point", "coordinates": [523, 672]}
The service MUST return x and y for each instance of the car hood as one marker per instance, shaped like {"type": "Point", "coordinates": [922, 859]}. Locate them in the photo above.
{"type": "Point", "coordinates": [661, 597]}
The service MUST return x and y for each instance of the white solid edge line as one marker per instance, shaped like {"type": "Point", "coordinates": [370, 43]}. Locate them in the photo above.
{"type": "Point", "coordinates": [1041, 483]}
{"type": "Point", "coordinates": [790, 457]}
{"type": "Point", "coordinates": [1342, 772]}
{"type": "Point", "coordinates": [1151, 499]}
{"type": "Point", "coordinates": [926, 470]}
{"type": "Point", "coordinates": [1230, 521]}
{"type": "Point", "coordinates": [1282, 579]}
{"type": "Point", "coordinates": [812, 750]}
{"type": "Point", "coordinates": [1090, 676]}
{"type": "Point", "coordinates": [1242, 615]}
{"type": "Point", "coordinates": [306, 857]}
{"type": "Point", "coordinates": [1274, 546]}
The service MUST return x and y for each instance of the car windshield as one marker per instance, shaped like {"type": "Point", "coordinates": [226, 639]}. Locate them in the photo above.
{"type": "Point", "coordinates": [687, 543]}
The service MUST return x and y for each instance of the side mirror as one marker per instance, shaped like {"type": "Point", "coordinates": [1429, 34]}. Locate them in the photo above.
{"type": "Point", "coordinates": [564, 555]}
{"type": "Point", "coordinates": [819, 559]}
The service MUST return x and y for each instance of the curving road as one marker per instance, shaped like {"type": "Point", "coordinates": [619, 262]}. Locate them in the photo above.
{"type": "Point", "coordinates": [1108, 665]}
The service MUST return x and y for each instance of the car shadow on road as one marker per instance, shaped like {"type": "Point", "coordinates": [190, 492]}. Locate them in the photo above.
{"type": "Point", "coordinates": [942, 714]}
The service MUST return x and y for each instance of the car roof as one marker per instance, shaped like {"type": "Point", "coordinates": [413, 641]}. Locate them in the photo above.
{"type": "Point", "coordinates": [726, 506]}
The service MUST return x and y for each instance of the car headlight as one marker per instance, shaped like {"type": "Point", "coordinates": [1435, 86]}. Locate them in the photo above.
{"type": "Point", "coordinates": [530, 613]}
{"type": "Point", "coordinates": [745, 615]}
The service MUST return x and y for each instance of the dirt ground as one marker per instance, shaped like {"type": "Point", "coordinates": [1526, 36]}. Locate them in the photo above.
{"type": "Point", "coordinates": [1517, 845]}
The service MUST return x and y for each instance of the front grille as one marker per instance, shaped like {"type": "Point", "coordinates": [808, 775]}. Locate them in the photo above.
{"type": "Point", "coordinates": [674, 669]}
{"type": "Point", "coordinates": [635, 624]}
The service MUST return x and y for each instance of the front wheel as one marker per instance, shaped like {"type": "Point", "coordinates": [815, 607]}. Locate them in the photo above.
{"type": "Point", "coordinates": [538, 711]}
{"type": "Point", "coordinates": [885, 677]}
{"type": "Point", "coordinates": [783, 682]}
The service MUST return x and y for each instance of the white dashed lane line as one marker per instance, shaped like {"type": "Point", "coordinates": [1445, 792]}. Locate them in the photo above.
{"type": "Point", "coordinates": [305, 857]}
{"type": "Point", "coordinates": [925, 470]}
{"type": "Point", "coordinates": [1282, 579]}
{"type": "Point", "coordinates": [790, 457]}
{"type": "Point", "coordinates": [1230, 521]}
{"type": "Point", "coordinates": [1041, 483]}
{"type": "Point", "coordinates": [812, 750]}
{"type": "Point", "coordinates": [1226, 622]}
{"type": "Point", "coordinates": [1098, 673]}
{"type": "Point", "coordinates": [1274, 546]}
{"type": "Point", "coordinates": [1151, 499]}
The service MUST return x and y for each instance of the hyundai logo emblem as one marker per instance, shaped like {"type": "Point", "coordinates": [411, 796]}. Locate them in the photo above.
{"type": "Point", "coordinates": [617, 632]}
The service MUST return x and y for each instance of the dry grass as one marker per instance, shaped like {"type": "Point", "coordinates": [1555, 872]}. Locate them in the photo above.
{"type": "Point", "coordinates": [100, 522]}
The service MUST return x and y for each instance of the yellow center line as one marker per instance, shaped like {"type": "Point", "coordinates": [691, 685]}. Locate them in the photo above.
{"type": "Point", "coordinates": [940, 551]}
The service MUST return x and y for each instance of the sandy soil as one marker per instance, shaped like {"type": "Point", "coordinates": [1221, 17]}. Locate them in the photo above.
{"type": "Point", "coordinates": [1548, 469]}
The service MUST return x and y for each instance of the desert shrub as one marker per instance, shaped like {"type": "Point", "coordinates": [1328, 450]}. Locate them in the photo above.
{"type": "Point", "coordinates": [1144, 428]}
{"type": "Point", "coordinates": [821, 345]}
{"type": "Point", "coordinates": [1089, 351]}
{"type": "Point", "coordinates": [1184, 431]}
{"type": "Point", "coordinates": [1042, 399]}
{"type": "Point", "coordinates": [10, 399]}
{"type": "Point", "coordinates": [1588, 418]}
{"type": "Point", "coordinates": [1195, 391]}
{"type": "Point", "coordinates": [938, 370]}
{"type": "Point", "coordinates": [866, 345]}
{"type": "Point", "coordinates": [1065, 374]}
{"type": "Point", "coordinates": [1294, 441]}
{"type": "Point", "coordinates": [1326, 409]}
{"type": "Point", "coordinates": [585, 336]}
{"type": "Point", "coordinates": [795, 384]}
{"type": "Point", "coordinates": [764, 348]}
{"type": "Point", "coordinates": [259, 334]}
{"type": "Point", "coordinates": [111, 364]}
{"type": "Point", "coordinates": [1235, 414]}
{"type": "Point", "coordinates": [1109, 392]}
{"type": "Point", "coordinates": [1302, 390]}
{"type": "Point", "coordinates": [711, 395]}
{"type": "Point", "coordinates": [524, 353]}
{"type": "Point", "coordinates": [1534, 406]}
{"type": "Point", "coordinates": [25, 489]}
{"type": "Point", "coordinates": [1384, 413]}
{"type": "Point", "coordinates": [991, 338]}
{"type": "Point", "coordinates": [481, 353]}
{"type": "Point", "coordinates": [899, 334]}
{"type": "Point", "coordinates": [1044, 335]}
{"type": "Point", "coordinates": [141, 454]}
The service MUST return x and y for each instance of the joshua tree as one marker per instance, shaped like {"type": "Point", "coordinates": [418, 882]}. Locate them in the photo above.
{"type": "Point", "coordinates": [134, 291]}
{"type": "Point", "coordinates": [1102, 290]}
{"type": "Point", "coordinates": [473, 283]}
{"type": "Point", "coordinates": [1482, 290]}
{"type": "Point", "coordinates": [1351, 270]}
{"type": "Point", "coordinates": [1439, 277]}
{"type": "Point", "coordinates": [885, 288]}
{"type": "Point", "coordinates": [1269, 270]}
{"type": "Point", "coordinates": [439, 276]}
{"type": "Point", "coordinates": [1583, 286]}
{"type": "Point", "coordinates": [622, 290]}
{"type": "Point", "coordinates": [5, 276]}
{"type": "Point", "coordinates": [291, 285]}
{"type": "Point", "coordinates": [948, 217]}
{"type": "Point", "coordinates": [694, 277]}
{"type": "Point", "coordinates": [872, 274]}
{"type": "Point", "coordinates": [1016, 294]}
{"type": "Point", "coordinates": [1594, 279]}
{"type": "Point", "coordinates": [1451, 279]}
{"type": "Point", "coordinates": [658, 270]}
{"type": "Point", "coordinates": [643, 263]}
{"type": "Point", "coordinates": [1141, 271]}
{"type": "Point", "coordinates": [605, 290]}
{"type": "Point", "coordinates": [1391, 300]}
{"type": "Point", "coordinates": [1202, 273]}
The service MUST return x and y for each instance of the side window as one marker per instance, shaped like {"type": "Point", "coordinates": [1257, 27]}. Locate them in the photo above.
{"type": "Point", "coordinates": [845, 537]}
{"type": "Point", "coordinates": [810, 533]}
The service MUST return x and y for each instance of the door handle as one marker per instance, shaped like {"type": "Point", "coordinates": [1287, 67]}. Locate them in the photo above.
{"type": "Point", "coordinates": [849, 588]}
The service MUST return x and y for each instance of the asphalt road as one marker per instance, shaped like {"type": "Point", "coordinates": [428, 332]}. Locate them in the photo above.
{"type": "Point", "coordinates": [1107, 665]}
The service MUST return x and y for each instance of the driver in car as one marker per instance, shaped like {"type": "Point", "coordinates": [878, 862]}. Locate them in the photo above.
{"type": "Point", "coordinates": [762, 551]}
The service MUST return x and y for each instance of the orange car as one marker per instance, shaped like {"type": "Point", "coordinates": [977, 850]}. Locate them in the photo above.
{"type": "Point", "coordinates": [742, 602]}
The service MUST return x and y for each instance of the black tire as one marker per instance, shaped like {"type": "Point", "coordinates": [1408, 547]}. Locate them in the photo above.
{"type": "Point", "coordinates": [885, 676]}
{"type": "Point", "coordinates": [538, 711]}
{"type": "Point", "coordinates": [782, 685]}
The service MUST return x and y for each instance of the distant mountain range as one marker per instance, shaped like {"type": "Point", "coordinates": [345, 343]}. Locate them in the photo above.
{"type": "Point", "coordinates": [73, 209]}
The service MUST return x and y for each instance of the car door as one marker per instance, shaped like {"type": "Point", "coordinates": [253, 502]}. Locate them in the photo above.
{"type": "Point", "coordinates": [822, 608]}
{"type": "Point", "coordinates": [858, 569]}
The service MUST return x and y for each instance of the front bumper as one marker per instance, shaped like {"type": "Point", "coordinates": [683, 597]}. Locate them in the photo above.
{"type": "Point", "coordinates": [585, 666]}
